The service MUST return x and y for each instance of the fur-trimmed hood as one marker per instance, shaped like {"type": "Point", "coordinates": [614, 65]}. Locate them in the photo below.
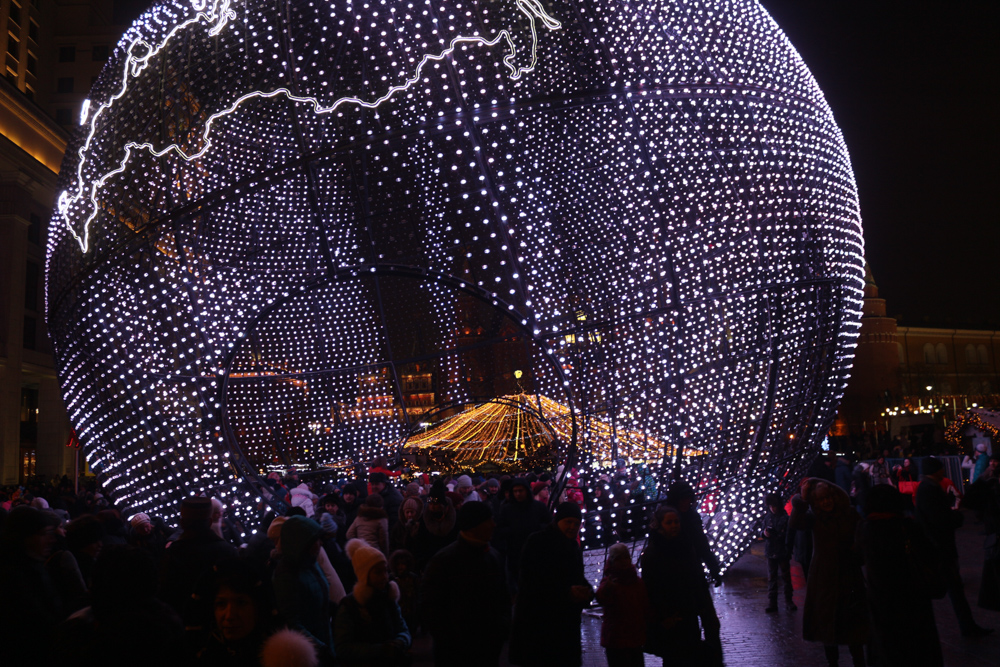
{"type": "Point", "coordinates": [444, 525]}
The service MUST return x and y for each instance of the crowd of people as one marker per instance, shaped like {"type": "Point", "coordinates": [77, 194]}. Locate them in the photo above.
{"type": "Point", "coordinates": [877, 546]}
{"type": "Point", "coordinates": [352, 572]}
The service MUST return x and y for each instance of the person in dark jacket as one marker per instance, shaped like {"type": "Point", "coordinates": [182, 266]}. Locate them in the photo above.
{"type": "Point", "coordinates": [190, 557]}
{"type": "Point", "coordinates": [903, 629]}
{"type": "Point", "coordinates": [468, 564]}
{"type": "Point", "coordinates": [351, 500]}
{"type": "Point", "coordinates": [125, 623]}
{"type": "Point", "coordinates": [940, 522]}
{"type": "Point", "coordinates": [301, 589]}
{"type": "Point", "coordinates": [551, 595]}
{"type": "Point", "coordinates": [680, 495]}
{"type": "Point", "coordinates": [625, 603]}
{"type": "Point", "coordinates": [677, 590]}
{"type": "Point", "coordinates": [30, 606]}
{"type": "Point", "coordinates": [778, 551]}
{"type": "Point", "coordinates": [391, 497]}
{"type": "Point", "coordinates": [436, 528]}
{"type": "Point", "coordinates": [370, 630]}
{"type": "Point", "coordinates": [520, 517]}
{"type": "Point", "coordinates": [983, 496]}
{"type": "Point", "coordinates": [835, 611]}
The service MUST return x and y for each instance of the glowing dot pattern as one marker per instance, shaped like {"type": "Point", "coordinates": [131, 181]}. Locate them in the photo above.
{"type": "Point", "coordinates": [292, 231]}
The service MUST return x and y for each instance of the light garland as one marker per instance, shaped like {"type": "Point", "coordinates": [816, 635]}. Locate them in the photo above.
{"type": "Point", "coordinates": [292, 231]}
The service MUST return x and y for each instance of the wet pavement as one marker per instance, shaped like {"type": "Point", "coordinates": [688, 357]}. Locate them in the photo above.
{"type": "Point", "coordinates": [751, 638]}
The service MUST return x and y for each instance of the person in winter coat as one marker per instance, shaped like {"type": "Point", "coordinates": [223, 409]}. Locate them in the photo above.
{"type": "Point", "coordinates": [371, 524]}
{"type": "Point", "coordinates": [879, 472]}
{"type": "Point", "coordinates": [403, 571]}
{"type": "Point", "coordinates": [778, 551]}
{"type": "Point", "coordinates": [187, 559]}
{"type": "Point", "coordinates": [677, 589]}
{"type": "Point", "coordinates": [835, 610]}
{"type": "Point", "coordinates": [468, 564]}
{"type": "Point", "coordinates": [519, 518]}
{"type": "Point", "coordinates": [300, 587]}
{"type": "Point", "coordinates": [984, 498]}
{"type": "Point", "coordinates": [239, 623]}
{"type": "Point", "coordinates": [302, 496]}
{"type": "Point", "coordinates": [680, 495]}
{"type": "Point", "coordinates": [940, 522]}
{"type": "Point", "coordinates": [125, 623]}
{"type": "Point", "coordinates": [391, 497]}
{"type": "Point", "coordinates": [622, 595]}
{"type": "Point", "coordinates": [351, 501]}
{"type": "Point", "coordinates": [903, 629]}
{"type": "Point", "coordinates": [30, 606]}
{"type": "Point", "coordinates": [370, 628]}
{"type": "Point", "coordinates": [406, 527]}
{"type": "Point", "coordinates": [437, 528]}
{"type": "Point", "coordinates": [551, 595]}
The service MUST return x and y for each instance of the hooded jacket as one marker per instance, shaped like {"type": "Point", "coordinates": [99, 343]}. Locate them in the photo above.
{"type": "Point", "coordinates": [300, 587]}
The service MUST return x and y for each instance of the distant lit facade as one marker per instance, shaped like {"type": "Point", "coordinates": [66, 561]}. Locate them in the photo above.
{"type": "Point", "coordinates": [917, 376]}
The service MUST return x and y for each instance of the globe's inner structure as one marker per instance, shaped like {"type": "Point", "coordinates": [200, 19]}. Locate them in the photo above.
{"type": "Point", "coordinates": [315, 233]}
{"type": "Point", "coordinates": [347, 371]}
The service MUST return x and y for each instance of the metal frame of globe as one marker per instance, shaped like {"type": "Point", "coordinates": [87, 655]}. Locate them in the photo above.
{"type": "Point", "coordinates": [657, 191]}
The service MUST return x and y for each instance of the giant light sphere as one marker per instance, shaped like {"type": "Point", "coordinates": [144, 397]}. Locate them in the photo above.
{"type": "Point", "coordinates": [297, 231]}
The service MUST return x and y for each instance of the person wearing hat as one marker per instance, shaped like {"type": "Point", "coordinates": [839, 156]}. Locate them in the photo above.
{"type": "Point", "coordinates": [406, 528]}
{"type": "Point", "coordinates": [835, 613]}
{"type": "Point", "coordinates": [370, 629]}
{"type": "Point", "coordinates": [465, 488]}
{"type": "Point", "coordinates": [193, 554]}
{"type": "Point", "coordinates": [371, 524]}
{"type": "Point", "coordinates": [898, 558]}
{"type": "Point", "coordinates": [436, 528]}
{"type": "Point", "coordinates": [468, 564]}
{"type": "Point", "coordinates": [626, 610]}
{"type": "Point", "coordinates": [519, 517]}
{"type": "Point", "coordinates": [301, 589]}
{"type": "Point", "coordinates": [934, 512]}
{"type": "Point", "coordinates": [551, 595]}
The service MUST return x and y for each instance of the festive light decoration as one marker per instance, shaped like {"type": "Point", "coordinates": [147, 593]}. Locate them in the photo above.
{"type": "Point", "coordinates": [520, 431]}
{"type": "Point", "coordinates": [292, 231]}
{"type": "Point", "coordinates": [987, 421]}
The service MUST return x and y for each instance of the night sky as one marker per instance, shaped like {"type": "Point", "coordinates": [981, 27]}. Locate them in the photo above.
{"type": "Point", "coordinates": [915, 87]}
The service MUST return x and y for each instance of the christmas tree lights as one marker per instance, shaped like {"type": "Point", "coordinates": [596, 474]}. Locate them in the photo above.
{"type": "Point", "coordinates": [291, 232]}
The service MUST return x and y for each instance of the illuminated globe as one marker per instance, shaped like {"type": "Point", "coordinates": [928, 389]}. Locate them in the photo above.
{"type": "Point", "coordinates": [304, 233]}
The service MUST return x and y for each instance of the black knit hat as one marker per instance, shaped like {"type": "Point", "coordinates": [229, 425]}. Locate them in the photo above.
{"type": "Point", "coordinates": [679, 489]}
{"type": "Point", "coordinates": [931, 465]}
{"type": "Point", "coordinates": [567, 510]}
{"type": "Point", "coordinates": [438, 492]}
{"type": "Point", "coordinates": [473, 513]}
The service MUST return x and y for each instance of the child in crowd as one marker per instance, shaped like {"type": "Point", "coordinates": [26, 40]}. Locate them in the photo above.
{"type": "Point", "coordinates": [623, 596]}
{"type": "Point", "coordinates": [778, 551]}
{"type": "Point", "coordinates": [370, 629]}
{"type": "Point", "coordinates": [403, 572]}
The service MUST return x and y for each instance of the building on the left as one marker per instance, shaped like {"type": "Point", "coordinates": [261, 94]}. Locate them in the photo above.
{"type": "Point", "coordinates": [53, 50]}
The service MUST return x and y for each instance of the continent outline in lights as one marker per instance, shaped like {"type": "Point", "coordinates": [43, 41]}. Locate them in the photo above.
{"type": "Point", "coordinates": [220, 13]}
